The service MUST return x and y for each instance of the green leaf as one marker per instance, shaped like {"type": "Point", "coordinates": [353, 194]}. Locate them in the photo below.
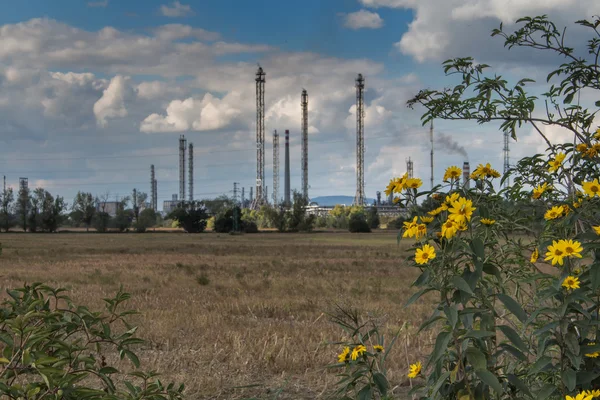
{"type": "Point", "coordinates": [595, 276]}
{"type": "Point", "coordinates": [416, 296]}
{"type": "Point", "coordinates": [441, 381]}
{"type": "Point", "coordinates": [569, 378]}
{"type": "Point", "coordinates": [452, 314]}
{"type": "Point", "coordinates": [479, 334]}
{"type": "Point", "coordinates": [476, 358]}
{"type": "Point", "coordinates": [381, 382]}
{"type": "Point", "coordinates": [569, 98]}
{"type": "Point", "coordinates": [513, 307]}
{"type": "Point", "coordinates": [108, 370]}
{"type": "Point", "coordinates": [490, 379]}
{"type": "Point", "coordinates": [512, 350]}
{"type": "Point", "coordinates": [539, 365]}
{"type": "Point", "coordinates": [441, 343]}
{"type": "Point", "coordinates": [584, 378]}
{"type": "Point", "coordinates": [518, 384]}
{"type": "Point", "coordinates": [514, 337]}
{"type": "Point", "coordinates": [134, 359]}
{"type": "Point", "coordinates": [461, 285]}
{"type": "Point", "coordinates": [365, 393]}
{"type": "Point", "coordinates": [478, 248]}
{"type": "Point", "coordinates": [545, 391]}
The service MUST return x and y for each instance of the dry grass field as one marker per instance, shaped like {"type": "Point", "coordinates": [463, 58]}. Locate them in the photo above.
{"type": "Point", "coordinates": [220, 311]}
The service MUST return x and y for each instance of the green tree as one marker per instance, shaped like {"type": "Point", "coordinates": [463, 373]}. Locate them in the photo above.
{"type": "Point", "coordinates": [296, 218]}
{"type": "Point", "coordinates": [23, 206]}
{"type": "Point", "coordinates": [147, 219]}
{"type": "Point", "coordinates": [34, 218]}
{"type": "Point", "coordinates": [50, 210]}
{"type": "Point", "coordinates": [218, 205]}
{"type": "Point", "coordinates": [6, 204]}
{"type": "Point", "coordinates": [373, 218]}
{"type": "Point", "coordinates": [84, 205]}
{"type": "Point", "coordinates": [191, 216]}
{"type": "Point", "coordinates": [357, 223]}
{"type": "Point", "coordinates": [101, 221]}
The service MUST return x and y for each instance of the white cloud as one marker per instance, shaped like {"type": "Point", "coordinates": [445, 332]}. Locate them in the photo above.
{"type": "Point", "coordinates": [102, 4]}
{"type": "Point", "coordinates": [209, 113]}
{"type": "Point", "coordinates": [363, 19]}
{"type": "Point", "coordinates": [112, 103]}
{"type": "Point", "coordinates": [453, 28]}
{"type": "Point", "coordinates": [176, 10]}
{"type": "Point", "coordinates": [172, 32]}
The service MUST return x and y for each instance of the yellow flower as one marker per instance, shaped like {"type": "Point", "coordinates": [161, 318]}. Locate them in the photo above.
{"type": "Point", "coordinates": [396, 200]}
{"type": "Point", "coordinates": [596, 229]}
{"type": "Point", "coordinates": [415, 370]}
{"type": "Point", "coordinates": [557, 162]}
{"type": "Point", "coordinates": [423, 255]}
{"type": "Point", "coordinates": [566, 209]}
{"type": "Point", "coordinates": [410, 228]}
{"type": "Point", "coordinates": [486, 221]}
{"type": "Point", "coordinates": [595, 354]}
{"type": "Point", "coordinates": [438, 210]}
{"type": "Point", "coordinates": [553, 213]}
{"type": "Point", "coordinates": [577, 203]}
{"type": "Point", "coordinates": [452, 172]}
{"type": "Point", "coordinates": [592, 151]}
{"type": "Point", "coordinates": [539, 190]}
{"type": "Point", "coordinates": [378, 348]}
{"type": "Point", "coordinates": [597, 135]}
{"type": "Point", "coordinates": [485, 171]}
{"type": "Point", "coordinates": [555, 253]}
{"type": "Point", "coordinates": [343, 356]}
{"type": "Point", "coordinates": [570, 283]}
{"type": "Point", "coordinates": [535, 255]}
{"type": "Point", "coordinates": [358, 351]}
{"type": "Point", "coordinates": [426, 220]}
{"type": "Point", "coordinates": [414, 183]}
{"type": "Point", "coordinates": [594, 393]}
{"type": "Point", "coordinates": [580, 396]}
{"type": "Point", "coordinates": [449, 229]}
{"type": "Point", "coordinates": [421, 230]}
{"type": "Point", "coordinates": [582, 147]}
{"type": "Point", "coordinates": [592, 188]}
{"type": "Point", "coordinates": [571, 248]}
{"type": "Point", "coordinates": [461, 210]}
{"type": "Point", "coordinates": [390, 187]}
{"type": "Point", "coordinates": [576, 271]}
{"type": "Point", "coordinates": [452, 198]}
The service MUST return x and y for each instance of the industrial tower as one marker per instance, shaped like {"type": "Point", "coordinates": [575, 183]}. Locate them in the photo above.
{"type": "Point", "coordinates": [259, 199]}
{"type": "Point", "coordinates": [410, 168]}
{"type": "Point", "coordinates": [182, 148]}
{"type": "Point", "coordinates": [431, 140]}
{"type": "Point", "coordinates": [275, 169]}
{"type": "Point", "coordinates": [304, 104]}
{"type": "Point", "coordinates": [191, 172]}
{"type": "Point", "coordinates": [506, 159]}
{"type": "Point", "coordinates": [23, 183]}
{"type": "Point", "coordinates": [152, 188]}
{"type": "Point", "coordinates": [287, 201]}
{"type": "Point", "coordinates": [359, 199]}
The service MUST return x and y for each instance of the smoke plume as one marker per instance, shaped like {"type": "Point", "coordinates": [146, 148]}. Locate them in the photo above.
{"type": "Point", "coordinates": [446, 143]}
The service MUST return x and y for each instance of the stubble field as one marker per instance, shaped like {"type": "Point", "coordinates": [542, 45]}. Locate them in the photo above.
{"type": "Point", "coordinates": [220, 312]}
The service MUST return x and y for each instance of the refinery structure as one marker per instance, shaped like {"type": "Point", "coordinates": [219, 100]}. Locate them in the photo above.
{"type": "Point", "coordinates": [258, 192]}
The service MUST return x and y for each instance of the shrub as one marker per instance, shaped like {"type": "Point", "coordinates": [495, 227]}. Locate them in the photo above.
{"type": "Point", "coordinates": [373, 218]}
{"type": "Point", "coordinates": [146, 219]}
{"type": "Point", "coordinates": [190, 216]}
{"type": "Point", "coordinates": [249, 227]}
{"type": "Point", "coordinates": [100, 221]}
{"type": "Point", "coordinates": [358, 223]}
{"type": "Point", "coordinates": [53, 349]}
{"type": "Point", "coordinates": [506, 328]}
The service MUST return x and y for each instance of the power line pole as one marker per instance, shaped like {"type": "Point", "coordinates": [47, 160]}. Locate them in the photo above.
{"type": "Point", "coordinates": [359, 199]}
{"type": "Point", "coordinates": [236, 218]}
{"type": "Point", "coordinates": [506, 158]}
{"type": "Point", "coordinates": [275, 168]}
{"type": "Point", "coordinates": [304, 104]}
{"type": "Point", "coordinates": [260, 138]}
{"type": "Point", "coordinates": [243, 197]}
{"type": "Point", "coordinates": [431, 140]}
{"type": "Point", "coordinates": [191, 172]}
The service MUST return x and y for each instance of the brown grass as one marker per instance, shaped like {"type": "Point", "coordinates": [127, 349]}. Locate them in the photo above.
{"type": "Point", "coordinates": [221, 311]}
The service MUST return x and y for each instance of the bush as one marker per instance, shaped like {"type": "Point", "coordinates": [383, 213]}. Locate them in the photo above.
{"type": "Point", "coordinates": [147, 219]}
{"type": "Point", "coordinates": [249, 227]}
{"type": "Point", "coordinates": [358, 223]}
{"type": "Point", "coordinates": [190, 216]}
{"type": "Point", "coordinates": [373, 218]}
{"type": "Point", "coordinates": [53, 349]}
{"type": "Point", "coordinates": [100, 221]}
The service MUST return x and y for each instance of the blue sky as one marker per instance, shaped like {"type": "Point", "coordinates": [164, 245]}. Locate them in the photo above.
{"type": "Point", "coordinates": [92, 93]}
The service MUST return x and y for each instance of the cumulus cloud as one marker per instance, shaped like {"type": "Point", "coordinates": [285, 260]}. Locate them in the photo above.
{"type": "Point", "coordinates": [208, 113]}
{"type": "Point", "coordinates": [176, 10]}
{"type": "Point", "coordinates": [363, 19]}
{"type": "Point", "coordinates": [112, 103]}
{"type": "Point", "coordinates": [450, 28]}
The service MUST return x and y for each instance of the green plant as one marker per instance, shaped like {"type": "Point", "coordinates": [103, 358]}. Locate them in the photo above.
{"type": "Point", "coordinates": [53, 349]}
{"type": "Point", "coordinates": [362, 357]}
{"type": "Point", "coordinates": [508, 327]}
{"type": "Point", "coordinates": [191, 216]}
{"type": "Point", "coordinates": [358, 223]}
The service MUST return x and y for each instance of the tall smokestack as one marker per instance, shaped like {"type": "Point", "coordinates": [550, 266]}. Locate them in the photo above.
{"type": "Point", "coordinates": [286, 189]}
{"type": "Point", "coordinates": [182, 148]}
{"type": "Point", "coordinates": [191, 172]}
{"type": "Point", "coordinates": [152, 191]}
{"type": "Point", "coordinates": [466, 175]}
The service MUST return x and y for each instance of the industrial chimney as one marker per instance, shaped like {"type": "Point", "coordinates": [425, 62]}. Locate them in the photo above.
{"type": "Point", "coordinates": [286, 189]}
{"type": "Point", "coordinates": [466, 175]}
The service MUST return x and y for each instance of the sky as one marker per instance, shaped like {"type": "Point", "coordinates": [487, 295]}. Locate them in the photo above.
{"type": "Point", "coordinates": [94, 92]}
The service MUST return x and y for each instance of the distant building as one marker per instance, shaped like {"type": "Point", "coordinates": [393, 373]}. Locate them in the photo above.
{"type": "Point", "coordinates": [110, 207]}
{"type": "Point", "coordinates": [169, 205]}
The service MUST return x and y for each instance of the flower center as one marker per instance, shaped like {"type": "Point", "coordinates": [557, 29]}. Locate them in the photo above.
{"type": "Point", "coordinates": [558, 252]}
{"type": "Point", "coordinates": [595, 189]}
{"type": "Point", "coordinates": [569, 250]}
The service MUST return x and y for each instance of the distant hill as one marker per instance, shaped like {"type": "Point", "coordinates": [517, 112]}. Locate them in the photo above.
{"type": "Point", "coordinates": [334, 200]}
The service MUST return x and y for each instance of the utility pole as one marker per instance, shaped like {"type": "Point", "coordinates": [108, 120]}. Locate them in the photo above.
{"type": "Point", "coordinates": [359, 199]}
{"type": "Point", "coordinates": [243, 197]}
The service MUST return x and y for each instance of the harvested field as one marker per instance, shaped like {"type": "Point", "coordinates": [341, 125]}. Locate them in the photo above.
{"type": "Point", "coordinates": [220, 311]}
